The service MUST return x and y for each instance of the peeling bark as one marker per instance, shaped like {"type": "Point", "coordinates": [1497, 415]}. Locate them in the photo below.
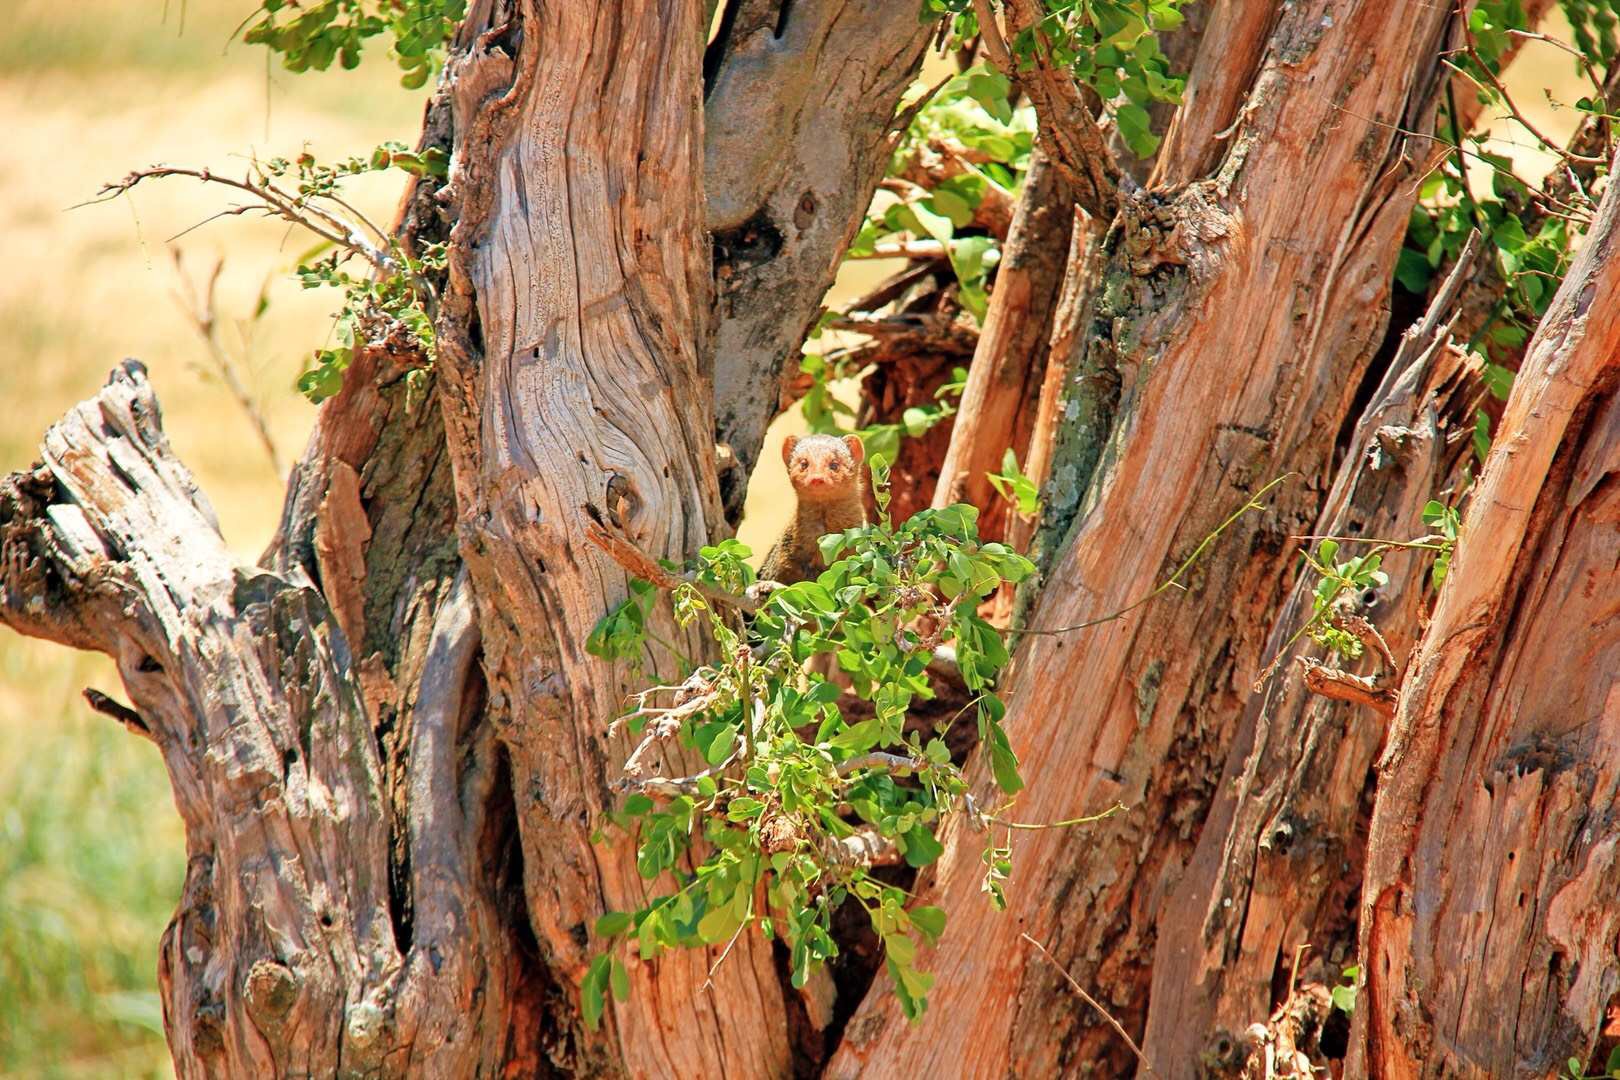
{"type": "Point", "coordinates": [1488, 922]}
{"type": "Point", "coordinates": [1278, 862]}
{"type": "Point", "coordinates": [1234, 316]}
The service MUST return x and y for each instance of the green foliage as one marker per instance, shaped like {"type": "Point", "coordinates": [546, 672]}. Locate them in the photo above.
{"type": "Point", "coordinates": [1011, 484]}
{"type": "Point", "coordinates": [310, 34]}
{"type": "Point", "coordinates": [790, 776]}
{"type": "Point", "coordinates": [1111, 46]}
{"type": "Point", "coordinates": [992, 141]}
{"type": "Point", "coordinates": [371, 298]}
{"type": "Point", "coordinates": [1344, 994]}
{"type": "Point", "coordinates": [1337, 580]}
{"type": "Point", "coordinates": [1443, 521]}
{"type": "Point", "coordinates": [1531, 233]}
{"type": "Point", "coordinates": [1340, 581]}
{"type": "Point", "coordinates": [1577, 1071]}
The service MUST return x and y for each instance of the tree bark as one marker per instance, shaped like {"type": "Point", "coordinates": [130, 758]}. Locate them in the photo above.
{"type": "Point", "coordinates": [998, 404]}
{"type": "Point", "coordinates": [802, 96]}
{"type": "Point", "coordinates": [1278, 862]}
{"type": "Point", "coordinates": [391, 751]}
{"type": "Point", "coordinates": [1232, 323]}
{"type": "Point", "coordinates": [1488, 923]}
{"type": "Point", "coordinates": [574, 388]}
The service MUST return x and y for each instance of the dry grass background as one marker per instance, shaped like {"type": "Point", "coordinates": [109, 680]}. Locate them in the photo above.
{"type": "Point", "coordinates": [91, 852]}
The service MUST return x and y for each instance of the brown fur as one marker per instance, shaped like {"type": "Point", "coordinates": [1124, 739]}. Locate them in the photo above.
{"type": "Point", "coordinates": [827, 479]}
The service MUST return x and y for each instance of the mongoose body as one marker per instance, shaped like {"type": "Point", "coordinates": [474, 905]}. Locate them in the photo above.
{"type": "Point", "coordinates": [825, 471]}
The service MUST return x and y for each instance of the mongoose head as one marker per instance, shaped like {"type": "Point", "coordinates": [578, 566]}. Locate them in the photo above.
{"type": "Point", "coordinates": [824, 468]}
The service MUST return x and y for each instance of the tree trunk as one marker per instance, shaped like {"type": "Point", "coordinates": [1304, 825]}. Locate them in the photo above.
{"type": "Point", "coordinates": [999, 401]}
{"type": "Point", "coordinates": [1488, 921]}
{"type": "Point", "coordinates": [1268, 899]}
{"type": "Point", "coordinates": [391, 751]}
{"type": "Point", "coordinates": [1233, 320]}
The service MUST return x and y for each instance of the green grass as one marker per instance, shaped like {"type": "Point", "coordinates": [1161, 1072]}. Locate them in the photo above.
{"type": "Point", "coordinates": [92, 853]}
{"type": "Point", "coordinates": [91, 863]}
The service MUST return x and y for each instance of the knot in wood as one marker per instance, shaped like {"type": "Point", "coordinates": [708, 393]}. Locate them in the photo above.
{"type": "Point", "coordinates": [364, 1023]}
{"type": "Point", "coordinates": [271, 989]}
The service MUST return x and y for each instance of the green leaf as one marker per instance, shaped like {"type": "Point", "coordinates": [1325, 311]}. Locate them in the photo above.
{"type": "Point", "coordinates": [1136, 128]}
{"type": "Point", "coordinates": [921, 847]}
{"type": "Point", "coordinates": [1482, 435]}
{"type": "Point", "coordinates": [592, 991]}
{"type": "Point", "coordinates": [1412, 271]}
{"type": "Point", "coordinates": [714, 741]}
{"type": "Point", "coordinates": [953, 207]}
{"type": "Point", "coordinates": [935, 225]}
{"type": "Point", "coordinates": [1498, 379]}
{"type": "Point", "coordinates": [718, 924]}
{"type": "Point", "coordinates": [929, 920]}
{"type": "Point", "coordinates": [619, 978]}
{"type": "Point", "coordinates": [1004, 763]}
{"type": "Point", "coordinates": [859, 738]}
{"type": "Point", "coordinates": [613, 923]}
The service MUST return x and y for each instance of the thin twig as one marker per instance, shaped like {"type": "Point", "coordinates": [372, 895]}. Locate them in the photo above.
{"type": "Point", "coordinates": [1507, 100]}
{"type": "Point", "coordinates": [1090, 819]}
{"type": "Point", "coordinates": [624, 551]}
{"type": "Point", "coordinates": [1095, 1004]}
{"type": "Point", "coordinates": [1174, 580]}
{"type": "Point", "coordinates": [1586, 65]}
{"type": "Point", "coordinates": [877, 759]}
{"type": "Point", "coordinates": [200, 308]}
{"type": "Point", "coordinates": [276, 202]}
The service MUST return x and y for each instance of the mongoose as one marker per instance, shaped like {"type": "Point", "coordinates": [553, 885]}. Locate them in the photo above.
{"type": "Point", "coordinates": [826, 475]}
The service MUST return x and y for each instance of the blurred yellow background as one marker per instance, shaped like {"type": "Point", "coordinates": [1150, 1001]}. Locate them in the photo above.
{"type": "Point", "coordinates": [91, 853]}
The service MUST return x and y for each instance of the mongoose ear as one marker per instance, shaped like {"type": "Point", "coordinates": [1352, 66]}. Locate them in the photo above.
{"type": "Point", "coordinates": [856, 450]}
{"type": "Point", "coordinates": [787, 448]}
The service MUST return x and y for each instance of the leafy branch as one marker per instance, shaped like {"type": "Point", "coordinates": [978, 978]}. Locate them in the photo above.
{"type": "Point", "coordinates": [800, 799]}
{"type": "Point", "coordinates": [396, 293]}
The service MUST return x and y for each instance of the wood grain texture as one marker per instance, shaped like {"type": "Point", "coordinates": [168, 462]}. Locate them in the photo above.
{"type": "Point", "coordinates": [1488, 922]}
{"type": "Point", "coordinates": [573, 386]}
{"type": "Point", "coordinates": [282, 958]}
{"type": "Point", "coordinates": [1278, 862]}
{"type": "Point", "coordinates": [1235, 316]}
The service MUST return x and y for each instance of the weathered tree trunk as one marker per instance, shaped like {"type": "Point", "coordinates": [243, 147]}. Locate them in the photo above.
{"type": "Point", "coordinates": [1234, 319]}
{"type": "Point", "coordinates": [284, 956]}
{"type": "Point", "coordinates": [1488, 916]}
{"type": "Point", "coordinates": [391, 750]}
{"type": "Point", "coordinates": [999, 402]}
{"type": "Point", "coordinates": [1278, 862]}
{"type": "Point", "coordinates": [572, 347]}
